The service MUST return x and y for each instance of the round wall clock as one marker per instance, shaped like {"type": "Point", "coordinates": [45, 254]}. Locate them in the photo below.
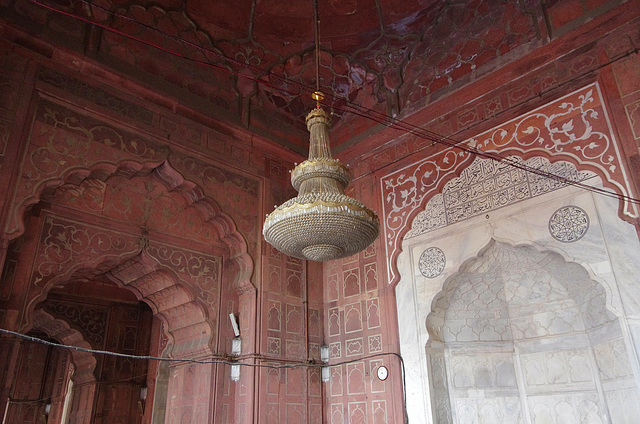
{"type": "Point", "coordinates": [383, 373]}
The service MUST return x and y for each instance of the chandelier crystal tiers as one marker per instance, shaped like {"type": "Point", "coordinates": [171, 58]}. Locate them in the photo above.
{"type": "Point", "coordinates": [321, 223]}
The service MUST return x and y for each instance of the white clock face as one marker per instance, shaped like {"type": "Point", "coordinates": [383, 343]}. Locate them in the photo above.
{"type": "Point", "coordinates": [383, 373]}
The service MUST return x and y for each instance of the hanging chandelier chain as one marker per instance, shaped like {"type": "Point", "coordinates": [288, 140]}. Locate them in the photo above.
{"type": "Point", "coordinates": [317, 96]}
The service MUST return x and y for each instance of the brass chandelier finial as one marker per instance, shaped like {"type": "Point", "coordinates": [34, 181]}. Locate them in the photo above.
{"type": "Point", "coordinates": [321, 223]}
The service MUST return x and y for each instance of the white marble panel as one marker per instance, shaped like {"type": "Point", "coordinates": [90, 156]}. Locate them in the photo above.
{"type": "Point", "coordinates": [602, 302]}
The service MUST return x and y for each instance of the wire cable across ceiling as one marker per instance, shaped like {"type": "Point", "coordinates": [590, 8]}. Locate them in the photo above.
{"type": "Point", "coordinates": [353, 108]}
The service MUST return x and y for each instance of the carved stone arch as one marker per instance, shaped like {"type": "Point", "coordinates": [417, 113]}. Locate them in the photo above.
{"type": "Point", "coordinates": [186, 319]}
{"type": "Point", "coordinates": [576, 171]}
{"type": "Point", "coordinates": [191, 323]}
{"type": "Point", "coordinates": [555, 264]}
{"type": "Point", "coordinates": [74, 175]}
{"type": "Point", "coordinates": [84, 362]}
{"type": "Point", "coordinates": [78, 267]}
{"type": "Point", "coordinates": [238, 261]}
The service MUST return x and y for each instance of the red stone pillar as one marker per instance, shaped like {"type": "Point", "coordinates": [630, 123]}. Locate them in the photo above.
{"type": "Point", "coordinates": [82, 404]}
{"type": "Point", "coordinates": [9, 348]}
{"type": "Point", "coordinates": [189, 395]}
{"type": "Point", "coordinates": [14, 292]}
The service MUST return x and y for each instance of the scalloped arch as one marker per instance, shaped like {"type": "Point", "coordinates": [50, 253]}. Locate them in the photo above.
{"type": "Point", "coordinates": [503, 254]}
{"type": "Point", "coordinates": [187, 324]}
{"type": "Point", "coordinates": [184, 314]}
{"type": "Point", "coordinates": [238, 260]}
{"type": "Point", "coordinates": [574, 128]}
{"type": "Point", "coordinates": [459, 168]}
{"type": "Point", "coordinates": [58, 329]}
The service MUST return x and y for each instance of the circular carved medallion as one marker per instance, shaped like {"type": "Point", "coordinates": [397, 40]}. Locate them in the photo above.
{"type": "Point", "coordinates": [432, 262]}
{"type": "Point", "coordinates": [568, 224]}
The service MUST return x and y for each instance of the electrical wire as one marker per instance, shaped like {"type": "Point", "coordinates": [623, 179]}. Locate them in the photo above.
{"type": "Point", "coordinates": [20, 401]}
{"type": "Point", "coordinates": [224, 360]}
{"type": "Point", "coordinates": [352, 108]}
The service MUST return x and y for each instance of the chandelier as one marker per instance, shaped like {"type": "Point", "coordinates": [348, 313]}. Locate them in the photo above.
{"type": "Point", "coordinates": [321, 223]}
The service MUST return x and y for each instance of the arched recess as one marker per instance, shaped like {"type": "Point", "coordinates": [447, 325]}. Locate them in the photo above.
{"type": "Point", "coordinates": [64, 377]}
{"type": "Point", "coordinates": [609, 250]}
{"type": "Point", "coordinates": [84, 362]}
{"type": "Point", "coordinates": [179, 274]}
{"type": "Point", "coordinates": [237, 264]}
{"type": "Point", "coordinates": [520, 335]}
{"type": "Point", "coordinates": [186, 319]}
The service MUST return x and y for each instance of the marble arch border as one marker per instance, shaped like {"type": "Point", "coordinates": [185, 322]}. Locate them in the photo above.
{"type": "Point", "coordinates": [574, 128]}
{"type": "Point", "coordinates": [465, 241]}
{"type": "Point", "coordinates": [444, 287]}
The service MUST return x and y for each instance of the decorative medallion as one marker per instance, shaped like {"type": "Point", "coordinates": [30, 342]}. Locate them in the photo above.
{"type": "Point", "coordinates": [432, 262]}
{"type": "Point", "coordinates": [568, 224]}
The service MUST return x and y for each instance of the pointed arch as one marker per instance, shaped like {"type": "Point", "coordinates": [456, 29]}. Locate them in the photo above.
{"type": "Point", "coordinates": [238, 261]}
{"type": "Point", "coordinates": [185, 299]}
{"type": "Point", "coordinates": [499, 259]}
{"type": "Point", "coordinates": [188, 326]}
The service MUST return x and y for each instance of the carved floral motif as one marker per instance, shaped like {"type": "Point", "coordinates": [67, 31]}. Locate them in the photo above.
{"type": "Point", "coordinates": [574, 128]}
{"type": "Point", "coordinates": [63, 142]}
{"type": "Point", "coordinates": [235, 192]}
{"type": "Point", "coordinates": [65, 244]}
{"type": "Point", "coordinates": [92, 320]}
{"type": "Point", "coordinates": [432, 262]}
{"type": "Point", "coordinates": [202, 271]}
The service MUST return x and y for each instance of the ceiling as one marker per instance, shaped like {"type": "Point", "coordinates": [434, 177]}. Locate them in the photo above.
{"type": "Point", "coordinates": [252, 62]}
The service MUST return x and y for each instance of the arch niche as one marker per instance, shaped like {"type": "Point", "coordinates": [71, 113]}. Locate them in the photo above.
{"type": "Point", "coordinates": [534, 365]}
{"type": "Point", "coordinates": [446, 208]}
{"type": "Point", "coordinates": [64, 379]}
{"type": "Point", "coordinates": [523, 336]}
{"type": "Point", "coordinates": [92, 224]}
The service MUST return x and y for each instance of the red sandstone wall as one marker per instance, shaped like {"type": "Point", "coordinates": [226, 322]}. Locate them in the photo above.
{"type": "Point", "coordinates": [290, 308]}
{"type": "Point", "coordinates": [94, 178]}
